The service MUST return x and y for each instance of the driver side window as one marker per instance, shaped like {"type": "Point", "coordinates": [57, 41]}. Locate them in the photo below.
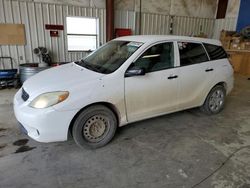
{"type": "Point", "coordinates": [157, 57]}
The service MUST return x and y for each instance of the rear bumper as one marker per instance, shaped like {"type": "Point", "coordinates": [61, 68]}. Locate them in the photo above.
{"type": "Point", "coordinates": [42, 125]}
{"type": "Point", "coordinates": [230, 84]}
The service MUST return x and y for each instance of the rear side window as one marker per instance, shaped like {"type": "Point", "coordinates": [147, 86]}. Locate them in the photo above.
{"type": "Point", "coordinates": [191, 53]}
{"type": "Point", "coordinates": [215, 52]}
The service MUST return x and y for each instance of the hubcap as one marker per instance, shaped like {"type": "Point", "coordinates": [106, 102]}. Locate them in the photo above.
{"type": "Point", "coordinates": [216, 100]}
{"type": "Point", "coordinates": [95, 128]}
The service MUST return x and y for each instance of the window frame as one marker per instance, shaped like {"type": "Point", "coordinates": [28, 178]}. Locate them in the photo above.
{"type": "Point", "coordinates": [195, 42]}
{"type": "Point", "coordinates": [153, 44]}
{"type": "Point", "coordinates": [72, 34]}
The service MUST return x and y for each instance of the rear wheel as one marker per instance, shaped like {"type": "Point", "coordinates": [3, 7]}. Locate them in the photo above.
{"type": "Point", "coordinates": [215, 100]}
{"type": "Point", "coordinates": [94, 127]}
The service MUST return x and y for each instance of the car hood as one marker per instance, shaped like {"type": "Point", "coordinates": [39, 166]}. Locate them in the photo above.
{"type": "Point", "coordinates": [61, 78]}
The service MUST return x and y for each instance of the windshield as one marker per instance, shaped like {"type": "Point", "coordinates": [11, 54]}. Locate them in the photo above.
{"type": "Point", "coordinates": [110, 57]}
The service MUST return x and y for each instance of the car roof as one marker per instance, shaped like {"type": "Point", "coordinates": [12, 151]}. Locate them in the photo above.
{"type": "Point", "coordinates": [158, 38]}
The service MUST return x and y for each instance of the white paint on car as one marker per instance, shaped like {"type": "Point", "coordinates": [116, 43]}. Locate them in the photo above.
{"type": "Point", "coordinates": [134, 98]}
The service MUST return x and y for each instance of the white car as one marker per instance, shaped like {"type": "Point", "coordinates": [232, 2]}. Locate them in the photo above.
{"type": "Point", "coordinates": [126, 80]}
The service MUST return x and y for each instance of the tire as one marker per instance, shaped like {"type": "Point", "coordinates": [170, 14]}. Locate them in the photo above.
{"type": "Point", "coordinates": [215, 100]}
{"type": "Point", "coordinates": [94, 127]}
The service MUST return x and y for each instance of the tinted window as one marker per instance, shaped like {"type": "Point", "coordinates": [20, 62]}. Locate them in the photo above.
{"type": "Point", "coordinates": [215, 52]}
{"type": "Point", "coordinates": [191, 53]}
{"type": "Point", "coordinates": [158, 57]}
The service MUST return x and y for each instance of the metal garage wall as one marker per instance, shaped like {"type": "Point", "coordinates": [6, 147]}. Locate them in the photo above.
{"type": "Point", "coordinates": [125, 19]}
{"type": "Point", "coordinates": [190, 26]}
{"type": "Point", "coordinates": [226, 24]}
{"type": "Point", "coordinates": [35, 16]}
{"type": "Point", "coordinates": [187, 26]}
{"type": "Point", "coordinates": [154, 24]}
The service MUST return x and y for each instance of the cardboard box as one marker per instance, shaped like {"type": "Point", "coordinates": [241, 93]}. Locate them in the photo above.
{"type": "Point", "coordinates": [227, 38]}
{"type": "Point", "coordinates": [226, 35]}
{"type": "Point", "coordinates": [236, 59]}
{"type": "Point", "coordinates": [240, 61]}
{"type": "Point", "coordinates": [245, 45]}
{"type": "Point", "coordinates": [235, 46]}
{"type": "Point", "coordinates": [226, 44]}
{"type": "Point", "coordinates": [236, 39]}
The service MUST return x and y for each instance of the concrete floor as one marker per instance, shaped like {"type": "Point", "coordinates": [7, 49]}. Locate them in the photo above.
{"type": "Point", "coordinates": [184, 149]}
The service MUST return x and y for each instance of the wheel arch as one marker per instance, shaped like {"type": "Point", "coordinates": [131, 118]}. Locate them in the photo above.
{"type": "Point", "coordinates": [222, 83]}
{"type": "Point", "coordinates": [110, 106]}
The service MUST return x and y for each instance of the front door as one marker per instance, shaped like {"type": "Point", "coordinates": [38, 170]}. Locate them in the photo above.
{"type": "Point", "coordinates": [154, 93]}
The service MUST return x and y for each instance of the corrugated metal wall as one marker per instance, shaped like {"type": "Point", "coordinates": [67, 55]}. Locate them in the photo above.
{"type": "Point", "coordinates": [153, 24]}
{"type": "Point", "coordinates": [158, 24]}
{"type": "Point", "coordinates": [125, 19]}
{"type": "Point", "coordinates": [226, 24]}
{"type": "Point", "coordinates": [36, 15]}
{"type": "Point", "coordinates": [190, 26]}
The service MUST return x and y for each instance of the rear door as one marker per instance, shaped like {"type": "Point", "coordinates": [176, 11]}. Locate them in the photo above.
{"type": "Point", "coordinates": [196, 74]}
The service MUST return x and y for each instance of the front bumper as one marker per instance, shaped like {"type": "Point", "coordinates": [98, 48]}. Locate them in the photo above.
{"type": "Point", "coordinates": [22, 128]}
{"type": "Point", "coordinates": [43, 125]}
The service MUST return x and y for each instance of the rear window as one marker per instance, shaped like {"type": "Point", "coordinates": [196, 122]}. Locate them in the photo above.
{"type": "Point", "coordinates": [215, 52]}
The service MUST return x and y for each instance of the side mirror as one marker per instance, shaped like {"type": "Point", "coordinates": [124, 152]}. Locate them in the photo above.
{"type": "Point", "coordinates": [135, 71]}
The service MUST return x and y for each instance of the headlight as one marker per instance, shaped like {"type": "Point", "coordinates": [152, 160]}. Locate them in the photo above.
{"type": "Point", "coordinates": [49, 99]}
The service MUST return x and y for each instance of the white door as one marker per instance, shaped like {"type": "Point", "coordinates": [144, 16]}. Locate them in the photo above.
{"type": "Point", "coordinates": [155, 92]}
{"type": "Point", "coordinates": [196, 74]}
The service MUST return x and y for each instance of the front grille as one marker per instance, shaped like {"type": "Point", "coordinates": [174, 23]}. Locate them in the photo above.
{"type": "Point", "coordinates": [25, 95]}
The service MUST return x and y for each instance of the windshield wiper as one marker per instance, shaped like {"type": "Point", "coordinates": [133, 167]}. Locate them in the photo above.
{"type": "Point", "coordinates": [88, 66]}
{"type": "Point", "coordinates": [93, 67]}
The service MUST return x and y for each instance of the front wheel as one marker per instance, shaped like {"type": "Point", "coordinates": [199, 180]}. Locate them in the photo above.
{"type": "Point", "coordinates": [94, 127]}
{"type": "Point", "coordinates": [215, 100]}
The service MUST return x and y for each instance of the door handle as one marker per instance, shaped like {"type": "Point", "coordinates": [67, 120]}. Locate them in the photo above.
{"type": "Point", "coordinates": [209, 70]}
{"type": "Point", "coordinates": [172, 77]}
